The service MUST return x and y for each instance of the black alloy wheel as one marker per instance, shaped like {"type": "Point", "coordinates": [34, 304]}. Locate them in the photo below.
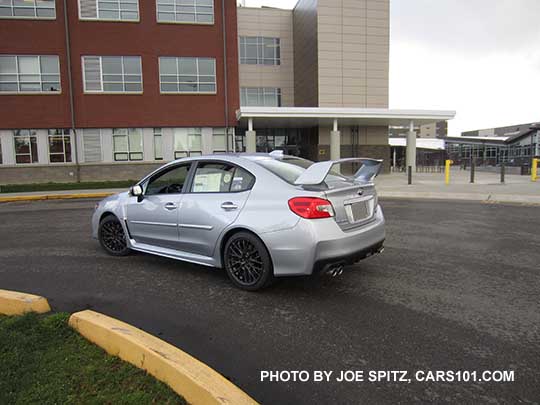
{"type": "Point", "coordinates": [247, 262]}
{"type": "Point", "coordinates": [112, 236]}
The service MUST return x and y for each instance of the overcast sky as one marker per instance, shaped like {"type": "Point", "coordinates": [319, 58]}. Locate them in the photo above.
{"type": "Point", "coordinates": [478, 57]}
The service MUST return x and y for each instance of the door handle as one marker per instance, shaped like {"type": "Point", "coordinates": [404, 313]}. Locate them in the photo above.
{"type": "Point", "coordinates": [229, 206]}
{"type": "Point", "coordinates": [171, 206]}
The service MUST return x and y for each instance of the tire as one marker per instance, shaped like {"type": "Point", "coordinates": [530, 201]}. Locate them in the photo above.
{"type": "Point", "coordinates": [247, 262]}
{"type": "Point", "coordinates": [112, 237]}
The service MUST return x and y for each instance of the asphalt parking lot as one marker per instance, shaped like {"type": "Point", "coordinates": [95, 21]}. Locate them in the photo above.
{"type": "Point", "coordinates": [457, 288]}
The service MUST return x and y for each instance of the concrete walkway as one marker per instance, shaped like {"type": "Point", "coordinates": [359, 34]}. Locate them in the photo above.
{"type": "Point", "coordinates": [487, 188]}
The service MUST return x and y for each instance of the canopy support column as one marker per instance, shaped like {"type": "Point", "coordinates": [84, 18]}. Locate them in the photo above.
{"type": "Point", "coordinates": [335, 142]}
{"type": "Point", "coordinates": [251, 138]}
{"type": "Point", "coordinates": [411, 147]}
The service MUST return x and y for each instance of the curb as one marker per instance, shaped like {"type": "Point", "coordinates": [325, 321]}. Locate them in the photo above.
{"type": "Point", "coordinates": [53, 197]}
{"type": "Point", "coordinates": [16, 303]}
{"type": "Point", "coordinates": [481, 198]}
{"type": "Point", "coordinates": [195, 381]}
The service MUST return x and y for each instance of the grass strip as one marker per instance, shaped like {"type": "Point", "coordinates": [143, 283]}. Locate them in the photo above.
{"type": "Point", "coordinates": [44, 361]}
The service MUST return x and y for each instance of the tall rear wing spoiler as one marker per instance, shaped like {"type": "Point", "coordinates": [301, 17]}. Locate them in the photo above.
{"type": "Point", "coordinates": [317, 172]}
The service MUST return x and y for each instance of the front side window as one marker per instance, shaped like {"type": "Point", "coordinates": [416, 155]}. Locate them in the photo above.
{"type": "Point", "coordinates": [29, 74]}
{"type": "Point", "coordinates": [188, 143]}
{"type": "Point", "coordinates": [32, 9]}
{"type": "Point", "coordinates": [26, 150]}
{"type": "Point", "coordinates": [260, 51]}
{"type": "Point", "coordinates": [112, 74]}
{"type": "Point", "coordinates": [169, 182]}
{"type": "Point", "coordinates": [127, 144]}
{"type": "Point", "coordinates": [260, 97]}
{"type": "Point", "coordinates": [221, 178]}
{"type": "Point", "coordinates": [117, 10]}
{"type": "Point", "coordinates": [185, 11]}
{"type": "Point", "coordinates": [59, 146]}
{"type": "Point", "coordinates": [187, 75]}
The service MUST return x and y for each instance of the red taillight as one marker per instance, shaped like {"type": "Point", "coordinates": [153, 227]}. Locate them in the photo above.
{"type": "Point", "coordinates": [311, 207]}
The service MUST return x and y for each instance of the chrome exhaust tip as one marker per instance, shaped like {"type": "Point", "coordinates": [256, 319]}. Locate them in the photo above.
{"type": "Point", "coordinates": [335, 270]}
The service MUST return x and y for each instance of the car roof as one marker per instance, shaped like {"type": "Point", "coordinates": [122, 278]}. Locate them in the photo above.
{"type": "Point", "coordinates": [238, 155]}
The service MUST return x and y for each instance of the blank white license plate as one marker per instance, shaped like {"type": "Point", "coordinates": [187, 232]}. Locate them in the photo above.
{"type": "Point", "coordinates": [360, 211]}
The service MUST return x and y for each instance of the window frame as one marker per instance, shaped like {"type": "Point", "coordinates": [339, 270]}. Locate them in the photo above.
{"type": "Point", "coordinates": [144, 183]}
{"type": "Point", "coordinates": [175, 12]}
{"type": "Point", "coordinates": [128, 152]}
{"type": "Point", "coordinates": [158, 133]}
{"type": "Point", "coordinates": [260, 44]}
{"type": "Point", "coordinates": [198, 76]}
{"type": "Point", "coordinates": [29, 136]}
{"type": "Point", "coordinates": [34, 17]}
{"type": "Point", "coordinates": [188, 152]}
{"type": "Point", "coordinates": [262, 93]}
{"type": "Point", "coordinates": [223, 162]}
{"type": "Point", "coordinates": [18, 74]}
{"type": "Point", "coordinates": [64, 135]}
{"type": "Point", "coordinates": [123, 74]}
{"type": "Point", "coordinates": [98, 18]}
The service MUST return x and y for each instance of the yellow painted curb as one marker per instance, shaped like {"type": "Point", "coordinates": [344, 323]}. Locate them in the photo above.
{"type": "Point", "coordinates": [53, 197]}
{"type": "Point", "coordinates": [195, 381]}
{"type": "Point", "coordinates": [16, 303]}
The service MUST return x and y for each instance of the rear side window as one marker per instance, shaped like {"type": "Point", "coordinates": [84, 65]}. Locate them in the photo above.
{"type": "Point", "coordinates": [221, 178]}
{"type": "Point", "coordinates": [287, 169]}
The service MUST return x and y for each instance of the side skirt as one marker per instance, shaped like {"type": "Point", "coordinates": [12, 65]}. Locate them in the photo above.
{"type": "Point", "coordinates": [173, 254]}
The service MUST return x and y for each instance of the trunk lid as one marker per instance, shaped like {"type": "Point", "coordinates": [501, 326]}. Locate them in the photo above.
{"type": "Point", "coordinates": [354, 203]}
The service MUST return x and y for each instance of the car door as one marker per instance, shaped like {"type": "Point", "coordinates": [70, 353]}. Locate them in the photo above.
{"type": "Point", "coordinates": [218, 192]}
{"type": "Point", "coordinates": [153, 219]}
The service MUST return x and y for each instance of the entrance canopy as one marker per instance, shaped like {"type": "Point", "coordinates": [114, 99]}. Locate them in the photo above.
{"type": "Point", "coordinates": [303, 117]}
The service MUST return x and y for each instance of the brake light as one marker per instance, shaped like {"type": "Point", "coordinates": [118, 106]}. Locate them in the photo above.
{"type": "Point", "coordinates": [311, 207]}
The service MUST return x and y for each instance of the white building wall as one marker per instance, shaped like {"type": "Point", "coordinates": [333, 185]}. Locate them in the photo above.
{"type": "Point", "coordinates": [148, 144]}
{"type": "Point", "coordinates": [275, 23]}
{"type": "Point", "coordinates": [42, 146]}
{"type": "Point", "coordinates": [8, 147]}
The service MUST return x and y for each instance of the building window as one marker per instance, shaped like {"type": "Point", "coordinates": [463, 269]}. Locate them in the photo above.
{"type": "Point", "coordinates": [116, 10]}
{"type": "Point", "coordinates": [260, 51]}
{"type": "Point", "coordinates": [260, 97]}
{"type": "Point", "coordinates": [112, 74]}
{"type": "Point", "coordinates": [127, 144]}
{"type": "Point", "coordinates": [185, 11]}
{"type": "Point", "coordinates": [187, 75]}
{"type": "Point", "coordinates": [59, 146]}
{"type": "Point", "coordinates": [158, 144]}
{"type": "Point", "coordinates": [92, 145]}
{"type": "Point", "coordinates": [25, 146]}
{"type": "Point", "coordinates": [29, 74]}
{"type": "Point", "coordinates": [219, 140]}
{"type": "Point", "coordinates": [32, 9]}
{"type": "Point", "coordinates": [188, 143]}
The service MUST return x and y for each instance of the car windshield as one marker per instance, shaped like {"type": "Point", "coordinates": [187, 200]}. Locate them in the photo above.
{"type": "Point", "coordinates": [290, 168]}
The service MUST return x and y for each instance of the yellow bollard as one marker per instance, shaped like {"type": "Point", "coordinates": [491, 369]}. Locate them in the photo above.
{"type": "Point", "coordinates": [534, 170]}
{"type": "Point", "coordinates": [447, 171]}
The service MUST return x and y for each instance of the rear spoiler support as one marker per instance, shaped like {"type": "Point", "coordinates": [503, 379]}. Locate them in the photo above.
{"type": "Point", "coordinates": [316, 173]}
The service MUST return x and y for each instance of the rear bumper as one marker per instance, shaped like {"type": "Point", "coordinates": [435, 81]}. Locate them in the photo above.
{"type": "Point", "coordinates": [324, 264]}
{"type": "Point", "coordinates": [312, 244]}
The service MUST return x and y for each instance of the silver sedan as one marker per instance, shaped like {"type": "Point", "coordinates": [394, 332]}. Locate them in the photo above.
{"type": "Point", "coordinates": [258, 216]}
